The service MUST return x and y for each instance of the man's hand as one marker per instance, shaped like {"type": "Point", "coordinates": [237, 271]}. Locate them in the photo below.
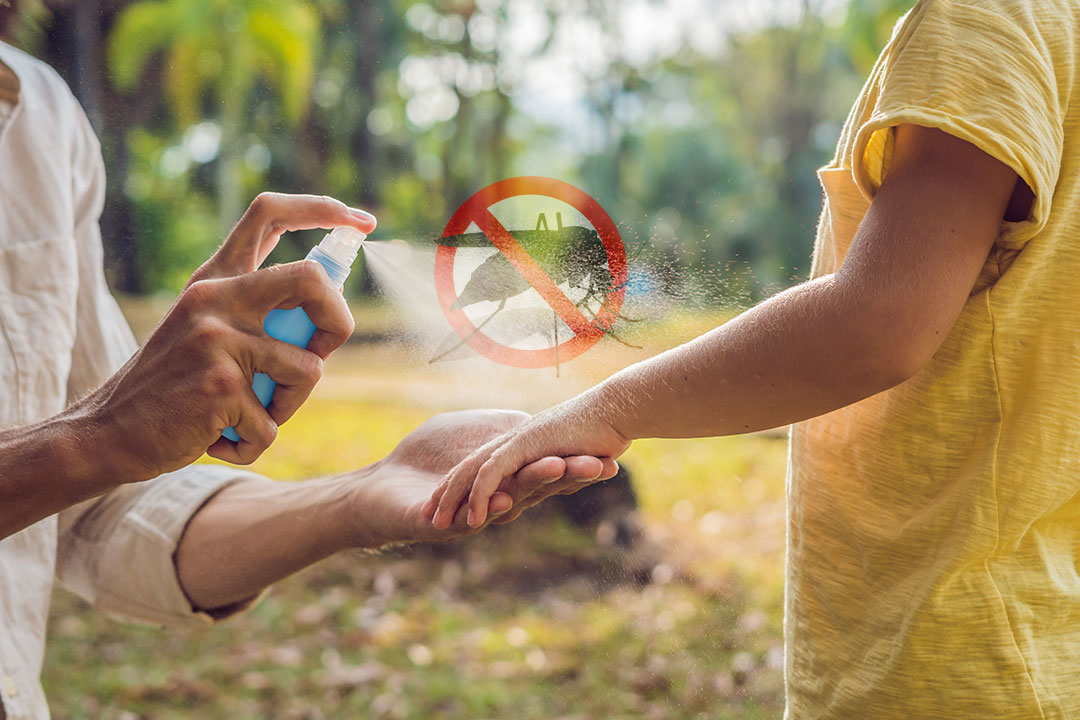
{"type": "Point", "coordinates": [564, 430]}
{"type": "Point", "coordinates": [388, 503]}
{"type": "Point", "coordinates": [192, 378]}
{"type": "Point", "coordinates": [254, 533]}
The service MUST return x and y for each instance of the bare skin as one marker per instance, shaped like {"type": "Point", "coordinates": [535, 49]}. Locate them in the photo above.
{"type": "Point", "coordinates": [253, 534]}
{"type": "Point", "coordinates": [192, 378]}
{"type": "Point", "coordinates": [805, 352]}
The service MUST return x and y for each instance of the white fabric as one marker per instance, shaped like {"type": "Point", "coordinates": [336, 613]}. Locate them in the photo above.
{"type": "Point", "coordinates": [61, 335]}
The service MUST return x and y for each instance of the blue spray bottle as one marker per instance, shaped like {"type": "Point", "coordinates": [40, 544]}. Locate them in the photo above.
{"type": "Point", "coordinates": [336, 254]}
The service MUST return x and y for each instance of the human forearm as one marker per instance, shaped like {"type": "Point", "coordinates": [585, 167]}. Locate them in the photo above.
{"type": "Point", "coordinates": [252, 534]}
{"type": "Point", "coordinates": [831, 342]}
{"type": "Point", "coordinates": [52, 465]}
{"type": "Point", "coordinates": [907, 276]}
{"type": "Point", "coordinates": [803, 353]}
{"type": "Point", "coordinates": [255, 533]}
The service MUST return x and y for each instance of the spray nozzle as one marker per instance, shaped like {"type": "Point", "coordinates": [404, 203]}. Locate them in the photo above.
{"type": "Point", "coordinates": [343, 244]}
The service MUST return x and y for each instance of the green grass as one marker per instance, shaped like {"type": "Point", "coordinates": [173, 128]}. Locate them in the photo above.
{"type": "Point", "coordinates": [532, 620]}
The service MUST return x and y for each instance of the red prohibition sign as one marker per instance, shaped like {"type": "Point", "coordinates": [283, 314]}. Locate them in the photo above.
{"type": "Point", "coordinates": [586, 332]}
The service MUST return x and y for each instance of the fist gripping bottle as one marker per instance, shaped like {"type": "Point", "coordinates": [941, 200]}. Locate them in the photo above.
{"type": "Point", "coordinates": [336, 254]}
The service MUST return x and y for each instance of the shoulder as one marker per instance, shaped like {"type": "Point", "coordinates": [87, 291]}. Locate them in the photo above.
{"type": "Point", "coordinates": [41, 87]}
{"type": "Point", "coordinates": [46, 101]}
{"type": "Point", "coordinates": [1010, 40]}
{"type": "Point", "coordinates": [1039, 17]}
{"type": "Point", "coordinates": [51, 117]}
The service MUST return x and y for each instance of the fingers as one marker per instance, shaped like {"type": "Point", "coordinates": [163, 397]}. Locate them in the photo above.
{"type": "Point", "coordinates": [488, 479]}
{"type": "Point", "coordinates": [532, 484]}
{"type": "Point", "coordinates": [537, 475]}
{"type": "Point", "coordinates": [271, 214]}
{"type": "Point", "coordinates": [500, 503]}
{"type": "Point", "coordinates": [305, 284]}
{"type": "Point", "coordinates": [529, 486]}
{"type": "Point", "coordinates": [581, 472]}
{"type": "Point", "coordinates": [281, 212]}
{"type": "Point", "coordinates": [610, 468]}
{"type": "Point", "coordinates": [583, 468]}
{"type": "Point", "coordinates": [533, 475]}
{"type": "Point", "coordinates": [294, 369]}
{"type": "Point", "coordinates": [256, 429]}
{"type": "Point", "coordinates": [509, 517]}
{"type": "Point", "coordinates": [245, 301]}
{"type": "Point", "coordinates": [428, 509]}
{"type": "Point", "coordinates": [452, 492]}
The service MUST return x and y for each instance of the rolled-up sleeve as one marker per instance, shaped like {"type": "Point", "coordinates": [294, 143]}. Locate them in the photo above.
{"type": "Point", "coordinates": [117, 551]}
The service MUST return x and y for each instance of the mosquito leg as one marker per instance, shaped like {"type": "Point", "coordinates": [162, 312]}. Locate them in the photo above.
{"type": "Point", "coordinates": [619, 340]}
{"type": "Point", "coordinates": [465, 339]}
{"type": "Point", "coordinates": [555, 333]}
{"type": "Point", "coordinates": [619, 315]}
{"type": "Point", "coordinates": [584, 305]}
{"type": "Point", "coordinates": [607, 330]}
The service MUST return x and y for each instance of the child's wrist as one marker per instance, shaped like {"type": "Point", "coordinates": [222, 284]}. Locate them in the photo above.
{"type": "Point", "coordinates": [612, 405]}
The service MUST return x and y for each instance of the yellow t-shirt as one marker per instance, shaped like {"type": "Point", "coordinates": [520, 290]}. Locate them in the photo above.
{"type": "Point", "coordinates": [934, 529]}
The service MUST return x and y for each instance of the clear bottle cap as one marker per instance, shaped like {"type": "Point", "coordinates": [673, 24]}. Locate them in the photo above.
{"type": "Point", "coordinates": [343, 244]}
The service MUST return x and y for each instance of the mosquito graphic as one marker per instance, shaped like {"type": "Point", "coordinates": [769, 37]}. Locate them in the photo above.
{"type": "Point", "coordinates": [568, 254]}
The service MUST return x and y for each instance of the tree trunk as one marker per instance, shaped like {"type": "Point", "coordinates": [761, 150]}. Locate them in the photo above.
{"type": "Point", "coordinates": [75, 50]}
{"type": "Point", "coordinates": [369, 23]}
{"type": "Point", "coordinates": [230, 180]}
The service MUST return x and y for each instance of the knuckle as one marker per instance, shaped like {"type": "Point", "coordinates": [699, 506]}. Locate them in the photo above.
{"type": "Point", "coordinates": [209, 330]}
{"type": "Point", "coordinates": [251, 450]}
{"type": "Point", "coordinates": [514, 418]}
{"type": "Point", "coordinates": [196, 296]}
{"type": "Point", "coordinates": [268, 432]}
{"type": "Point", "coordinates": [219, 381]}
{"type": "Point", "coordinates": [310, 276]}
{"type": "Point", "coordinates": [202, 272]}
{"type": "Point", "coordinates": [262, 202]}
{"type": "Point", "coordinates": [486, 473]}
{"type": "Point", "coordinates": [312, 368]}
{"type": "Point", "coordinates": [453, 495]}
{"type": "Point", "coordinates": [248, 453]}
{"type": "Point", "coordinates": [331, 203]}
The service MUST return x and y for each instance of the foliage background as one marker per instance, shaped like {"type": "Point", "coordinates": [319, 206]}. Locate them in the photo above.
{"type": "Point", "coordinates": [697, 124]}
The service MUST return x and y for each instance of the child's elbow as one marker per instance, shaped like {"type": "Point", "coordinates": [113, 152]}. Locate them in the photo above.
{"type": "Point", "coordinates": [901, 368]}
{"type": "Point", "coordinates": [896, 357]}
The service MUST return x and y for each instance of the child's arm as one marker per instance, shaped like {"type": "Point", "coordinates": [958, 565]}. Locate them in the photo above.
{"type": "Point", "coordinates": [805, 352]}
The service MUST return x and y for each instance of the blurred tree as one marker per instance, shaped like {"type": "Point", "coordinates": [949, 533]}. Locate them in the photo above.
{"type": "Point", "coordinates": [702, 144]}
{"type": "Point", "coordinates": [868, 27]}
{"type": "Point", "coordinates": [216, 52]}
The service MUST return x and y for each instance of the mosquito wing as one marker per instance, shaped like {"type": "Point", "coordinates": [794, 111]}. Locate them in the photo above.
{"type": "Point", "coordinates": [494, 280]}
{"type": "Point", "coordinates": [508, 327]}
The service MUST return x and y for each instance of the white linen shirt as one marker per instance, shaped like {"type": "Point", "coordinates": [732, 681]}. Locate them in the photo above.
{"type": "Point", "coordinates": [62, 335]}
